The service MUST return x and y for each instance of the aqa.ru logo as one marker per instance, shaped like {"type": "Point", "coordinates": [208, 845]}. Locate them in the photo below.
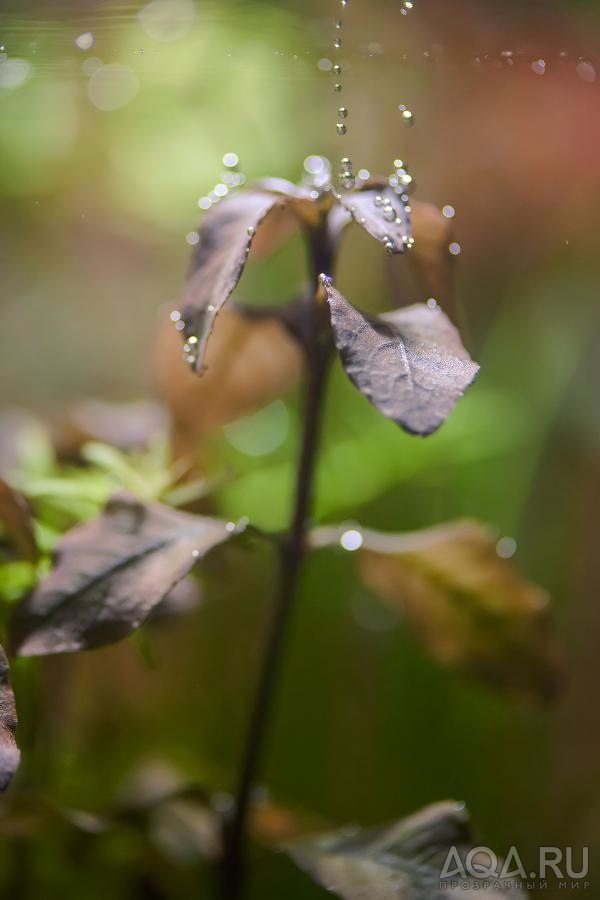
{"type": "Point", "coordinates": [482, 863]}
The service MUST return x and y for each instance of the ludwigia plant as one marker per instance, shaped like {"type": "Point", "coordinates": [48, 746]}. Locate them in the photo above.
{"type": "Point", "coordinates": [469, 607]}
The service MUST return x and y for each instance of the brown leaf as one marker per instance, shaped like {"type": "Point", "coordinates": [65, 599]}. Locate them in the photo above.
{"type": "Point", "coordinates": [403, 861]}
{"type": "Point", "coordinates": [249, 363]}
{"type": "Point", "coordinates": [226, 234]}
{"type": "Point", "coordinates": [9, 752]}
{"type": "Point", "coordinates": [109, 575]}
{"type": "Point", "coordinates": [430, 255]}
{"type": "Point", "coordinates": [15, 517]}
{"type": "Point", "coordinates": [184, 598]}
{"type": "Point", "coordinates": [128, 426]}
{"type": "Point", "coordinates": [409, 363]}
{"type": "Point", "coordinates": [471, 609]}
{"type": "Point", "coordinates": [382, 213]}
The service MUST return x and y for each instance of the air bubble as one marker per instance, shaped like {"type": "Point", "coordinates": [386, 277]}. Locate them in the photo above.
{"type": "Point", "coordinates": [406, 115]}
{"type": "Point", "coordinates": [343, 112]}
{"type": "Point", "coordinates": [351, 540]}
{"type": "Point", "coordinates": [341, 128]}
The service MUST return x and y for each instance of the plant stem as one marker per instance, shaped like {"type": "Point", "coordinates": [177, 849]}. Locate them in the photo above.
{"type": "Point", "coordinates": [318, 354]}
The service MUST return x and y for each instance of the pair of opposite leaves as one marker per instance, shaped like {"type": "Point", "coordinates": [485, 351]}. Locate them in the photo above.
{"type": "Point", "coordinates": [409, 363]}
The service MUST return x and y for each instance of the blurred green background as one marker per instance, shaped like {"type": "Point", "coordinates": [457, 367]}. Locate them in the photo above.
{"type": "Point", "coordinates": [99, 180]}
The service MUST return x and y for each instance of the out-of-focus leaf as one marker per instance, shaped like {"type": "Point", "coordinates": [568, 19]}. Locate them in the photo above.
{"type": "Point", "coordinates": [16, 580]}
{"type": "Point", "coordinates": [472, 609]}
{"type": "Point", "coordinates": [409, 363]}
{"type": "Point", "coordinates": [110, 574]}
{"type": "Point", "coordinates": [184, 598]}
{"type": "Point", "coordinates": [430, 255]}
{"type": "Point", "coordinates": [225, 237]}
{"type": "Point", "coordinates": [403, 861]}
{"type": "Point", "coordinates": [15, 519]}
{"type": "Point", "coordinates": [9, 752]}
{"type": "Point", "coordinates": [24, 444]}
{"type": "Point", "coordinates": [250, 362]}
{"type": "Point", "coordinates": [382, 213]}
{"type": "Point", "coordinates": [126, 426]}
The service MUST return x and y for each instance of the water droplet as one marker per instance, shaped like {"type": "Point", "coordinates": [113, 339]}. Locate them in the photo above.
{"type": "Point", "coordinates": [337, 87]}
{"type": "Point", "coordinates": [364, 174]}
{"type": "Point", "coordinates": [539, 67]}
{"type": "Point", "coordinates": [85, 41]}
{"type": "Point", "coordinates": [432, 303]}
{"type": "Point", "coordinates": [379, 201]}
{"type": "Point", "coordinates": [175, 315]}
{"type": "Point", "coordinates": [351, 540]}
{"type": "Point", "coordinates": [339, 24]}
{"type": "Point", "coordinates": [14, 72]}
{"type": "Point", "coordinates": [455, 248]}
{"type": "Point", "coordinates": [337, 69]}
{"type": "Point", "coordinates": [250, 230]}
{"type": "Point", "coordinates": [341, 128]}
{"type": "Point", "coordinates": [343, 112]}
{"type": "Point", "coordinates": [586, 72]}
{"type": "Point", "coordinates": [112, 86]}
{"type": "Point", "coordinates": [167, 20]}
{"type": "Point", "coordinates": [406, 115]}
{"type": "Point", "coordinates": [389, 213]}
{"type": "Point", "coordinates": [192, 237]}
{"type": "Point", "coordinates": [230, 160]}
{"type": "Point", "coordinates": [180, 325]}
{"type": "Point", "coordinates": [506, 547]}
{"type": "Point", "coordinates": [337, 43]}
{"type": "Point", "coordinates": [449, 212]}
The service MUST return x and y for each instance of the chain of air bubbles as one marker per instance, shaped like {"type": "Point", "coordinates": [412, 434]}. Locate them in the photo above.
{"type": "Point", "coordinates": [230, 179]}
{"type": "Point", "coordinates": [400, 180]}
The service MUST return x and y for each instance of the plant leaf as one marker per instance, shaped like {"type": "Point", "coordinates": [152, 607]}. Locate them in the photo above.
{"type": "Point", "coordinates": [15, 516]}
{"type": "Point", "coordinates": [181, 600]}
{"type": "Point", "coordinates": [226, 234]}
{"type": "Point", "coordinates": [9, 752]}
{"type": "Point", "coordinates": [409, 363]}
{"type": "Point", "coordinates": [369, 208]}
{"type": "Point", "coordinates": [430, 255]}
{"type": "Point", "coordinates": [250, 362]}
{"type": "Point", "coordinates": [471, 609]}
{"type": "Point", "coordinates": [110, 574]}
{"type": "Point", "coordinates": [402, 861]}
